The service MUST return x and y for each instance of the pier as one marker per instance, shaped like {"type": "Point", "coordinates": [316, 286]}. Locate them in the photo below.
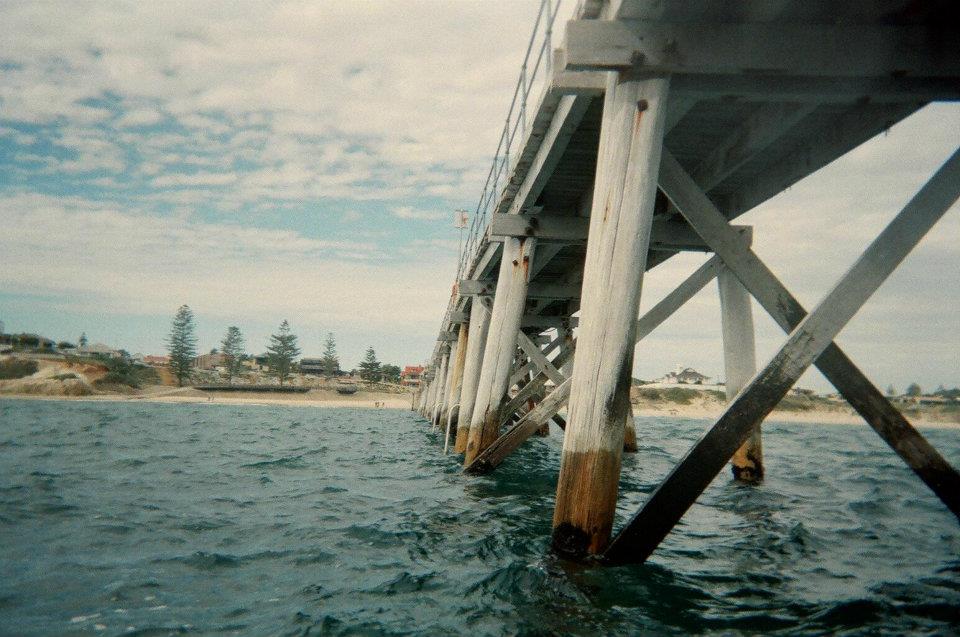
{"type": "Point", "coordinates": [638, 130]}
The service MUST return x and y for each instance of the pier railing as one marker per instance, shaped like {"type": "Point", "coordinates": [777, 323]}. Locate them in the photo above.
{"type": "Point", "coordinates": [534, 73]}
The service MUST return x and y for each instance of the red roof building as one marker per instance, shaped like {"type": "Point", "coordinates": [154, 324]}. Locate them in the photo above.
{"type": "Point", "coordinates": [410, 375]}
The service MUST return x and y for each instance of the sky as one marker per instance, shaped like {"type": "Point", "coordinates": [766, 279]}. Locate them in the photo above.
{"type": "Point", "coordinates": [302, 161]}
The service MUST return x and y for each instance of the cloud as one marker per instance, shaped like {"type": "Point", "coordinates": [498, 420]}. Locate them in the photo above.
{"type": "Point", "coordinates": [99, 259]}
{"type": "Point", "coordinates": [199, 179]}
{"type": "Point", "coordinates": [140, 117]}
{"type": "Point", "coordinates": [408, 212]}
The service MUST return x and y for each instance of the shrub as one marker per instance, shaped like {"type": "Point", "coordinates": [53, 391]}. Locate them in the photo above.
{"type": "Point", "coordinates": [125, 373]}
{"type": "Point", "coordinates": [17, 368]}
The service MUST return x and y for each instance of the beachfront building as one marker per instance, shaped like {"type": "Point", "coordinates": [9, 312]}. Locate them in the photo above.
{"type": "Point", "coordinates": [99, 349]}
{"type": "Point", "coordinates": [209, 362]}
{"type": "Point", "coordinates": [312, 366]}
{"type": "Point", "coordinates": [684, 376]}
{"type": "Point", "coordinates": [410, 376]}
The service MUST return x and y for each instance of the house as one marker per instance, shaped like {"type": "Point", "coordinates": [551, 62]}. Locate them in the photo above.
{"type": "Point", "coordinates": [259, 363]}
{"type": "Point", "coordinates": [684, 376]}
{"type": "Point", "coordinates": [209, 362]}
{"type": "Point", "coordinates": [99, 349]}
{"type": "Point", "coordinates": [410, 376]}
{"type": "Point", "coordinates": [156, 361]}
{"type": "Point", "coordinates": [311, 366]}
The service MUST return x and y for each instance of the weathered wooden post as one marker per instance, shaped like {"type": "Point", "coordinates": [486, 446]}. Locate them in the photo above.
{"type": "Point", "coordinates": [445, 402]}
{"type": "Point", "coordinates": [630, 433]}
{"type": "Point", "coordinates": [425, 395]}
{"type": "Point", "coordinates": [544, 430]}
{"type": "Point", "coordinates": [479, 322]}
{"type": "Point", "coordinates": [740, 364]}
{"type": "Point", "coordinates": [439, 394]}
{"type": "Point", "coordinates": [454, 388]}
{"type": "Point", "coordinates": [631, 138]}
{"type": "Point", "coordinates": [508, 305]}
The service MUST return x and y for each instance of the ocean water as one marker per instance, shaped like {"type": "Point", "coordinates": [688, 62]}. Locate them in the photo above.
{"type": "Point", "coordinates": [156, 519]}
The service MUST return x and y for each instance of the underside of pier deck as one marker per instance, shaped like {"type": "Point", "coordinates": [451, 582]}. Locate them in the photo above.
{"type": "Point", "coordinates": [744, 99]}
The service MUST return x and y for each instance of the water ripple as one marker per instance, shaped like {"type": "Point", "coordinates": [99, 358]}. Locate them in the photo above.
{"type": "Point", "coordinates": [142, 519]}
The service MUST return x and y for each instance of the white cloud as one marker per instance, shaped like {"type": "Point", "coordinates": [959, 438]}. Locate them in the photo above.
{"type": "Point", "coordinates": [199, 179]}
{"type": "Point", "coordinates": [99, 259]}
{"type": "Point", "coordinates": [140, 117]}
{"type": "Point", "coordinates": [408, 212]}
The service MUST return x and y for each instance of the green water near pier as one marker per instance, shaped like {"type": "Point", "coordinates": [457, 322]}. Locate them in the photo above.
{"type": "Point", "coordinates": [154, 519]}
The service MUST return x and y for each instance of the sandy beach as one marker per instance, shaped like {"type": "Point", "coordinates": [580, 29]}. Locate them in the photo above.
{"type": "Point", "coordinates": [313, 398]}
{"type": "Point", "coordinates": [383, 400]}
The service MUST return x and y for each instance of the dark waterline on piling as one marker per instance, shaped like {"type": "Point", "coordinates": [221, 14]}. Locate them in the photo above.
{"type": "Point", "coordinates": [288, 520]}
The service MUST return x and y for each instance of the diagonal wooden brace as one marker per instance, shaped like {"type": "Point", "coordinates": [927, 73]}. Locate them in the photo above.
{"type": "Point", "coordinates": [667, 504]}
{"type": "Point", "coordinates": [507, 443]}
{"type": "Point", "coordinates": [787, 312]}
{"type": "Point", "coordinates": [538, 358]}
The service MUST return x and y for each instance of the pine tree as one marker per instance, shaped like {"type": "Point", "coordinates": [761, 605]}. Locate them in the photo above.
{"type": "Point", "coordinates": [232, 348]}
{"type": "Point", "coordinates": [182, 344]}
{"type": "Point", "coordinates": [370, 366]}
{"type": "Point", "coordinates": [390, 373]}
{"type": "Point", "coordinates": [282, 351]}
{"type": "Point", "coordinates": [83, 339]}
{"type": "Point", "coordinates": [330, 362]}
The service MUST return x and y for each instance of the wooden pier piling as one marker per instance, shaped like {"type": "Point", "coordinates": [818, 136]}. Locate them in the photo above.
{"type": "Point", "coordinates": [631, 138]}
{"type": "Point", "coordinates": [455, 386]}
{"type": "Point", "coordinates": [508, 304]}
{"type": "Point", "coordinates": [479, 325]}
{"type": "Point", "coordinates": [739, 364]}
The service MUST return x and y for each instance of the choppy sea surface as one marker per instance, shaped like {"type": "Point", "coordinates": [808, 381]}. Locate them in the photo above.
{"type": "Point", "coordinates": [155, 519]}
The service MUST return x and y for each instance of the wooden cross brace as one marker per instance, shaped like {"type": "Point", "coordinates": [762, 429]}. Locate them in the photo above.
{"type": "Point", "coordinates": [510, 440]}
{"type": "Point", "coordinates": [810, 342]}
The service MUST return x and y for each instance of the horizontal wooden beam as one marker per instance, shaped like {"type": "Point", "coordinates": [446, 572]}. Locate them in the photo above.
{"type": "Point", "coordinates": [583, 83]}
{"type": "Point", "coordinates": [446, 337]}
{"type": "Point", "coordinates": [546, 322]}
{"type": "Point", "coordinates": [545, 227]}
{"type": "Point", "coordinates": [458, 316]}
{"type": "Point", "coordinates": [835, 50]}
{"type": "Point", "coordinates": [667, 234]}
{"type": "Point", "coordinates": [534, 290]}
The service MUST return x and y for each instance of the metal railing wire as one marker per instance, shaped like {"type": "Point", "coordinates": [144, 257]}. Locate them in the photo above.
{"type": "Point", "coordinates": [534, 73]}
{"type": "Point", "coordinates": [533, 77]}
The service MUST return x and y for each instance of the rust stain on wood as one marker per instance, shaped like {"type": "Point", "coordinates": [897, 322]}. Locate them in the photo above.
{"type": "Point", "coordinates": [586, 503]}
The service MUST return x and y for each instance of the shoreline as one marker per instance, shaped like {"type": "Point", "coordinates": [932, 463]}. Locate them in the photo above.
{"type": "Point", "coordinates": [188, 395]}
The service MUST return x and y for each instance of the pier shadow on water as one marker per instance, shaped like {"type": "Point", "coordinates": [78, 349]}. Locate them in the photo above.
{"type": "Point", "coordinates": [150, 519]}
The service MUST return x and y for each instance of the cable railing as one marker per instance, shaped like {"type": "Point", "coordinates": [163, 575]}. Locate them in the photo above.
{"type": "Point", "coordinates": [534, 73]}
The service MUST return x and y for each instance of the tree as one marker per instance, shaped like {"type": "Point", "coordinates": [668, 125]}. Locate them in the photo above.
{"type": "Point", "coordinates": [181, 344]}
{"type": "Point", "coordinates": [914, 390]}
{"type": "Point", "coordinates": [83, 339]}
{"type": "Point", "coordinates": [282, 351]}
{"type": "Point", "coordinates": [891, 391]}
{"type": "Point", "coordinates": [390, 373]}
{"type": "Point", "coordinates": [232, 348]}
{"type": "Point", "coordinates": [330, 362]}
{"type": "Point", "coordinates": [370, 366]}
